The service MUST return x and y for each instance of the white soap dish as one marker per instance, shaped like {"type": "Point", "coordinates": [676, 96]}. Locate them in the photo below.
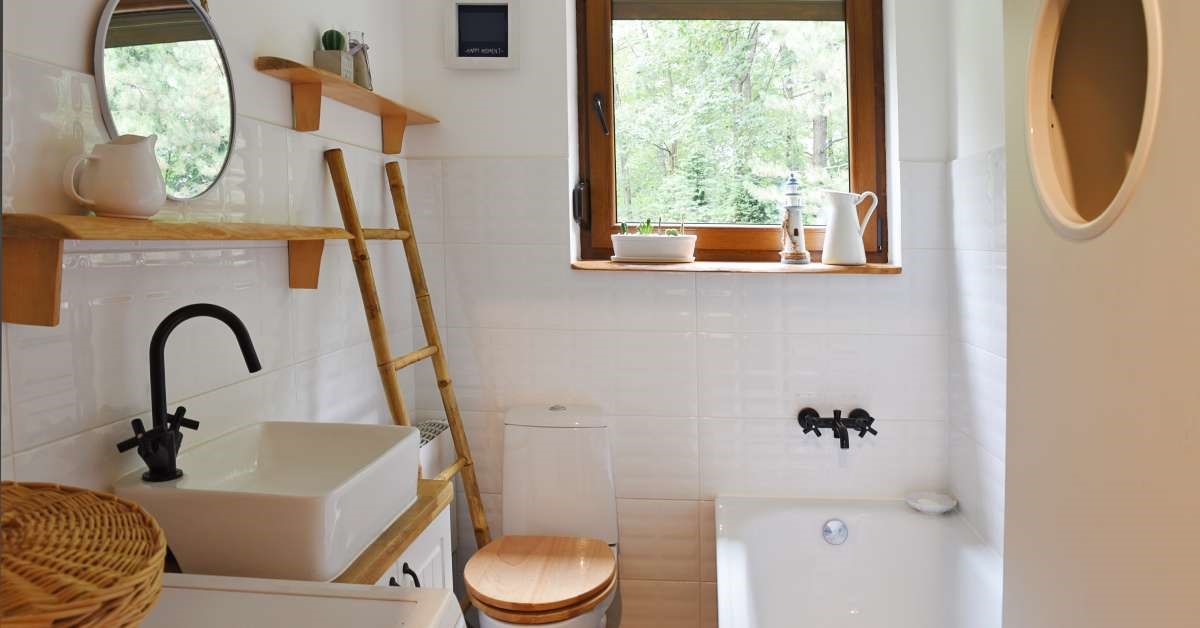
{"type": "Point", "coordinates": [931, 503]}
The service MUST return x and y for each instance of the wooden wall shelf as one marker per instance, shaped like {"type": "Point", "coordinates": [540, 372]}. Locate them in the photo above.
{"type": "Point", "coordinates": [33, 252]}
{"type": "Point", "coordinates": [309, 84]}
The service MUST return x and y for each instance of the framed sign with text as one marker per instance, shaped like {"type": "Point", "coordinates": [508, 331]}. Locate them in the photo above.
{"type": "Point", "coordinates": [481, 34]}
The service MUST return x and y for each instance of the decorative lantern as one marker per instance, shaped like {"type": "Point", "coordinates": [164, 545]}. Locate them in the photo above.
{"type": "Point", "coordinates": [794, 251]}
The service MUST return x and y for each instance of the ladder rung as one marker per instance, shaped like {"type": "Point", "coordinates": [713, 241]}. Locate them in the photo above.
{"type": "Point", "coordinates": [412, 358]}
{"type": "Point", "coordinates": [449, 471]}
{"type": "Point", "coordinates": [386, 234]}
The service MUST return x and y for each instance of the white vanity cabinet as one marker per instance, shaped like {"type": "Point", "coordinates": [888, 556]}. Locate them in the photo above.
{"type": "Point", "coordinates": [191, 601]}
{"type": "Point", "coordinates": [428, 558]}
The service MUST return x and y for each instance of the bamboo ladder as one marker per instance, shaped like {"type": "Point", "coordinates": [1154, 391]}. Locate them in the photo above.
{"type": "Point", "coordinates": [388, 365]}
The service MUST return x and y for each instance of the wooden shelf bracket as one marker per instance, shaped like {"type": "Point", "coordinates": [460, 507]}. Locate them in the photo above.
{"type": "Point", "coordinates": [32, 277]}
{"type": "Point", "coordinates": [306, 106]}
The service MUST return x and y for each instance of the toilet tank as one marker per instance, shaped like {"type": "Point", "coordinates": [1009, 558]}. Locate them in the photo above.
{"type": "Point", "coordinates": [558, 473]}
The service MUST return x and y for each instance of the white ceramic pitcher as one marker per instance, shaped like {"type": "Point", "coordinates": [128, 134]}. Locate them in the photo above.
{"type": "Point", "coordinates": [844, 232]}
{"type": "Point", "coordinates": [122, 178]}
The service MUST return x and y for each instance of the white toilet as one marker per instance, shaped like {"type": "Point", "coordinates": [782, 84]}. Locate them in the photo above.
{"type": "Point", "coordinates": [556, 565]}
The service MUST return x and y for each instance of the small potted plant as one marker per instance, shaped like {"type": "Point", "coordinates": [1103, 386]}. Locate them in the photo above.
{"type": "Point", "coordinates": [650, 245]}
{"type": "Point", "coordinates": [333, 56]}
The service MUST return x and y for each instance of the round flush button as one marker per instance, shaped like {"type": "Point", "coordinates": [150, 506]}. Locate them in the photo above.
{"type": "Point", "coordinates": [835, 532]}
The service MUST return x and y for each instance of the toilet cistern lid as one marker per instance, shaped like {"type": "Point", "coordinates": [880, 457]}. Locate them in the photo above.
{"type": "Point", "coordinates": [556, 415]}
{"type": "Point", "coordinates": [539, 573]}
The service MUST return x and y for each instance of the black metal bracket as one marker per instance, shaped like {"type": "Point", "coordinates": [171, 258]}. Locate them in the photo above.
{"type": "Point", "coordinates": [858, 420]}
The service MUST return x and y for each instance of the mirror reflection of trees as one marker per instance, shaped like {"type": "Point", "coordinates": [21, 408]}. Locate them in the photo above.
{"type": "Point", "coordinates": [711, 116]}
{"type": "Point", "coordinates": [179, 92]}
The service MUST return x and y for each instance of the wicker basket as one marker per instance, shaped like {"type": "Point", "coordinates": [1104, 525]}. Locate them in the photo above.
{"type": "Point", "coordinates": [73, 557]}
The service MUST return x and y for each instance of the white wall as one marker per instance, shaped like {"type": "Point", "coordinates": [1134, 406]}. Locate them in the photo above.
{"type": "Point", "coordinates": [977, 57]}
{"type": "Point", "coordinates": [506, 113]}
{"type": "Point", "coordinates": [70, 391]}
{"type": "Point", "coordinates": [1103, 432]}
{"type": "Point", "coordinates": [702, 374]}
{"type": "Point", "coordinates": [979, 307]}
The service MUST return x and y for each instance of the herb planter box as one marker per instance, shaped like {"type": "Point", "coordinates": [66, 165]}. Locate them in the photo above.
{"type": "Point", "coordinates": [654, 248]}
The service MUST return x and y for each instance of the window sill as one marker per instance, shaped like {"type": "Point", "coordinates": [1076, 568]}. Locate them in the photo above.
{"type": "Point", "coordinates": [739, 267]}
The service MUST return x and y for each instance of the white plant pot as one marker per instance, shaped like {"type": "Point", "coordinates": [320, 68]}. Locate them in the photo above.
{"type": "Point", "coordinates": [654, 248]}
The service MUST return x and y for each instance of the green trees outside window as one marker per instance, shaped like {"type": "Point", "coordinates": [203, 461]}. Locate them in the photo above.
{"type": "Point", "coordinates": [712, 115]}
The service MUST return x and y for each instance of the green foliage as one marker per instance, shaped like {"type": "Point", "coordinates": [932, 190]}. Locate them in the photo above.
{"type": "Point", "coordinates": [646, 228]}
{"type": "Point", "coordinates": [748, 210]}
{"type": "Point", "coordinates": [711, 116]}
{"type": "Point", "coordinates": [179, 92]}
{"type": "Point", "coordinates": [333, 40]}
{"type": "Point", "coordinates": [698, 174]}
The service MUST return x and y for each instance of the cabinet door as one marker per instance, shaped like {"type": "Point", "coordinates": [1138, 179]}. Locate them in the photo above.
{"type": "Point", "coordinates": [428, 557]}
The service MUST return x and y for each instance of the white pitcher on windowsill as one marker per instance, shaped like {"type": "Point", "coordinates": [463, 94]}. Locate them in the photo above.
{"type": "Point", "coordinates": [844, 232]}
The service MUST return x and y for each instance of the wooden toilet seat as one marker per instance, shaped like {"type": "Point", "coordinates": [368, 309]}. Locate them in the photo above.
{"type": "Point", "coordinates": [540, 579]}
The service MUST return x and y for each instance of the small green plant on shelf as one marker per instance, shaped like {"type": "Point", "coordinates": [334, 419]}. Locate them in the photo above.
{"type": "Point", "coordinates": [646, 241]}
{"type": "Point", "coordinates": [333, 40]}
{"type": "Point", "coordinates": [648, 228]}
{"type": "Point", "coordinates": [333, 57]}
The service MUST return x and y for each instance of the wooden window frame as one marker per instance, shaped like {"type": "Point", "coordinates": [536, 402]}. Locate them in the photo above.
{"type": "Point", "coordinates": [596, 201]}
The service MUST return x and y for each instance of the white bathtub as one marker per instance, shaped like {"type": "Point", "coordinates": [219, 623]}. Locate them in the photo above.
{"type": "Point", "coordinates": [897, 569]}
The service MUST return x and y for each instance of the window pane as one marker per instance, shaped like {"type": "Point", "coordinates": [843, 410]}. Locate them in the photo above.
{"type": "Point", "coordinates": [712, 115]}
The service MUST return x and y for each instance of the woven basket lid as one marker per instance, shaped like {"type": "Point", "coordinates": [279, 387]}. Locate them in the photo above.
{"type": "Point", "coordinates": [71, 556]}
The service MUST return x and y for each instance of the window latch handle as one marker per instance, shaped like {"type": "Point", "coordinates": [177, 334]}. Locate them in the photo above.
{"type": "Point", "coordinates": [598, 105]}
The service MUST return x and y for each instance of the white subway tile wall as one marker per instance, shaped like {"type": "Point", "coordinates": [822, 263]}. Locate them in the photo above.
{"type": "Point", "coordinates": [656, 457]}
{"type": "Point", "coordinates": [69, 392]}
{"type": "Point", "coordinates": [701, 374]}
{"type": "Point", "coordinates": [978, 341]}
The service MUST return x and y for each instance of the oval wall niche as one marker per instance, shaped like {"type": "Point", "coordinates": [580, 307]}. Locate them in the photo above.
{"type": "Point", "coordinates": [1094, 78]}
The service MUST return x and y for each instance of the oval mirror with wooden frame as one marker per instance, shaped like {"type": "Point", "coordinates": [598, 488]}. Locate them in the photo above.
{"type": "Point", "coordinates": [1094, 81]}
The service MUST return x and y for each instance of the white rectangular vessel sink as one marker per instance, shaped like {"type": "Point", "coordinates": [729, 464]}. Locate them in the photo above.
{"type": "Point", "coordinates": [297, 501]}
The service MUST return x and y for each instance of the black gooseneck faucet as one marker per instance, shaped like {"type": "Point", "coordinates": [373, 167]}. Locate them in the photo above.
{"type": "Point", "coordinates": [159, 446]}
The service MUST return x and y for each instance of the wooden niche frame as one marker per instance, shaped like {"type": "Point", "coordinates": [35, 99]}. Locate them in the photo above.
{"type": "Point", "coordinates": [596, 195]}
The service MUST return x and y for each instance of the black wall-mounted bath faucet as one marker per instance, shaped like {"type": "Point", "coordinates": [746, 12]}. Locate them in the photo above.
{"type": "Point", "coordinates": [159, 445]}
{"type": "Point", "coordinates": [860, 420]}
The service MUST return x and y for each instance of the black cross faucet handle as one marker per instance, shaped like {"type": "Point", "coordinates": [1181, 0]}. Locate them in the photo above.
{"type": "Point", "coordinates": [808, 421]}
{"type": "Point", "coordinates": [138, 429]}
{"type": "Point", "coordinates": [177, 420]}
{"type": "Point", "coordinates": [865, 421]}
